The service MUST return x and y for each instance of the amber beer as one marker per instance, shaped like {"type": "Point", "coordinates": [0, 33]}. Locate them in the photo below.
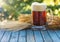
{"type": "Point", "coordinates": [39, 18]}
{"type": "Point", "coordinates": [39, 14]}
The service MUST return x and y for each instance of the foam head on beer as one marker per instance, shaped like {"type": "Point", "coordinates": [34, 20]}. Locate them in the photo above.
{"type": "Point", "coordinates": [38, 6]}
{"type": "Point", "coordinates": [38, 13]}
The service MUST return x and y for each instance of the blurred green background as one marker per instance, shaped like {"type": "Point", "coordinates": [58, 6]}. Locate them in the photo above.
{"type": "Point", "coordinates": [17, 7]}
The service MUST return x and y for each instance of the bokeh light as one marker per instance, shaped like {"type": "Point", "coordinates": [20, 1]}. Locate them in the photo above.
{"type": "Point", "coordinates": [1, 3]}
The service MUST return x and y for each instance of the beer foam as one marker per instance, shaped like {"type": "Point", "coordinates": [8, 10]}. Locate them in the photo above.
{"type": "Point", "coordinates": [38, 6]}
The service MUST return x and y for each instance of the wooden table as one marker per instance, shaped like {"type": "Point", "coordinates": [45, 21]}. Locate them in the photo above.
{"type": "Point", "coordinates": [30, 36]}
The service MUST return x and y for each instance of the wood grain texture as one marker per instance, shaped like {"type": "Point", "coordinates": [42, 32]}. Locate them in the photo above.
{"type": "Point", "coordinates": [53, 36]}
{"type": "Point", "coordinates": [6, 37]}
{"type": "Point", "coordinates": [58, 33]}
{"type": "Point", "coordinates": [1, 34]}
{"type": "Point", "coordinates": [14, 37]}
{"type": "Point", "coordinates": [30, 36]}
{"type": "Point", "coordinates": [22, 36]}
{"type": "Point", "coordinates": [46, 36]}
{"type": "Point", "coordinates": [38, 36]}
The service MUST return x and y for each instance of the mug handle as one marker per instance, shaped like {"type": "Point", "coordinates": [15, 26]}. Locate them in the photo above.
{"type": "Point", "coordinates": [51, 16]}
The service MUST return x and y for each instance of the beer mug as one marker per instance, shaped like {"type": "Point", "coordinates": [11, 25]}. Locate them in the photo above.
{"type": "Point", "coordinates": [39, 15]}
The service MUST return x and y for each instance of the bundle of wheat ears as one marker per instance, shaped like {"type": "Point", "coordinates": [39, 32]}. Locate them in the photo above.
{"type": "Point", "coordinates": [27, 18]}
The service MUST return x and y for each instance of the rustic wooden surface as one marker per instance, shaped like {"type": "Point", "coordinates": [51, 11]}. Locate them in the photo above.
{"type": "Point", "coordinates": [30, 36]}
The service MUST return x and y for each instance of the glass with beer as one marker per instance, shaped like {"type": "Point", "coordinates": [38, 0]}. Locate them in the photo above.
{"type": "Point", "coordinates": [39, 13]}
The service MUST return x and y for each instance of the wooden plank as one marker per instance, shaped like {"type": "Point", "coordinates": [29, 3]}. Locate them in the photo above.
{"type": "Point", "coordinates": [14, 37]}
{"type": "Point", "coordinates": [1, 34]}
{"type": "Point", "coordinates": [58, 33]}
{"type": "Point", "coordinates": [22, 36]}
{"type": "Point", "coordinates": [53, 36]}
{"type": "Point", "coordinates": [38, 36]}
{"type": "Point", "coordinates": [30, 36]}
{"type": "Point", "coordinates": [6, 37]}
{"type": "Point", "coordinates": [46, 36]}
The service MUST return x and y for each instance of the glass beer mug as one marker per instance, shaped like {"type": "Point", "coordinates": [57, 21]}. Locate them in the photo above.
{"type": "Point", "coordinates": [39, 15]}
